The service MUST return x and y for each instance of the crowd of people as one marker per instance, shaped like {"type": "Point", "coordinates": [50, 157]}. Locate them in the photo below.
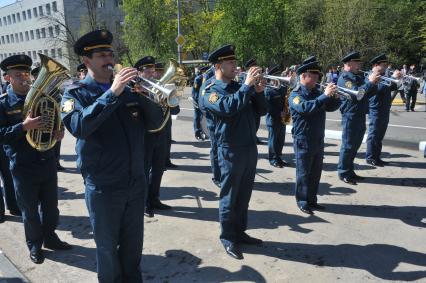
{"type": "Point", "coordinates": [121, 119]}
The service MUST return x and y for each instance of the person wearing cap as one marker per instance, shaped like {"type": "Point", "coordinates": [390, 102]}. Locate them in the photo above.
{"type": "Point", "coordinates": [109, 122]}
{"type": "Point", "coordinates": [34, 173]}
{"type": "Point", "coordinates": [155, 148]}
{"type": "Point", "coordinates": [233, 107]}
{"type": "Point", "coordinates": [198, 81]}
{"type": "Point", "coordinates": [208, 78]}
{"type": "Point", "coordinates": [308, 107]}
{"type": "Point", "coordinates": [410, 86]}
{"type": "Point", "coordinates": [34, 73]}
{"type": "Point", "coordinates": [81, 71]}
{"type": "Point", "coordinates": [275, 101]}
{"type": "Point", "coordinates": [353, 114]}
{"type": "Point", "coordinates": [378, 115]}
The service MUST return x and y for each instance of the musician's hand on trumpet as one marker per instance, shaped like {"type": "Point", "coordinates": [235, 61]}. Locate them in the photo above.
{"type": "Point", "coordinates": [122, 78]}
{"type": "Point", "coordinates": [331, 91]}
{"type": "Point", "coordinates": [253, 76]}
{"type": "Point", "coordinates": [374, 77]}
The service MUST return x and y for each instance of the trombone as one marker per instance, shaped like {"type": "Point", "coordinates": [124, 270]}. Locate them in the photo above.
{"type": "Point", "coordinates": [279, 81]}
{"type": "Point", "coordinates": [346, 92]}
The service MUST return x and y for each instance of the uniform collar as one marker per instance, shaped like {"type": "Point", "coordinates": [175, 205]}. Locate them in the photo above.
{"type": "Point", "coordinates": [221, 84]}
{"type": "Point", "coordinates": [92, 85]}
{"type": "Point", "coordinates": [13, 98]}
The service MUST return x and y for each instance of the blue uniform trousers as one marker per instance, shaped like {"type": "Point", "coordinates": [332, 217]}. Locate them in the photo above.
{"type": "Point", "coordinates": [309, 160]}
{"type": "Point", "coordinates": [276, 140]}
{"type": "Point", "coordinates": [214, 155]}
{"type": "Point", "coordinates": [117, 223]}
{"type": "Point", "coordinates": [8, 188]}
{"type": "Point", "coordinates": [238, 168]}
{"type": "Point", "coordinates": [410, 100]}
{"type": "Point", "coordinates": [36, 190]}
{"type": "Point", "coordinates": [352, 135]}
{"type": "Point", "coordinates": [198, 115]}
{"type": "Point", "coordinates": [376, 132]}
{"type": "Point", "coordinates": [155, 154]}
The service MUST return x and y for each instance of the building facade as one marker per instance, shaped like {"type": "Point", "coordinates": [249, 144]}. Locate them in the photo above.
{"type": "Point", "coordinates": [51, 27]}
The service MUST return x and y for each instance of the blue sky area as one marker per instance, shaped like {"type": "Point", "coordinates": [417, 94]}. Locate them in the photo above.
{"type": "Point", "coordinates": [6, 2]}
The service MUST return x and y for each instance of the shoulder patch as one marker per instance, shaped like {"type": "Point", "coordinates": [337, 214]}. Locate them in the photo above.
{"type": "Point", "coordinates": [296, 100]}
{"type": "Point", "coordinates": [213, 98]}
{"type": "Point", "coordinates": [297, 87]}
{"type": "Point", "coordinates": [348, 84]}
{"type": "Point", "coordinates": [209, 85]}
{"type": "Point", "coordinates": [68, 106]}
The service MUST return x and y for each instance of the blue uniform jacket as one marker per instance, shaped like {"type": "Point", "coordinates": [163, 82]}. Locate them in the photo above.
{"type": "Point", "coordinates": [198, 81]}
{"type": "Point", "coordinates": [354, 108]}
{"type": "Point", "coordinates": [381, 103]}
{"type": "Point", "coordinates": [234, 106]}
{"type": "Point", "coordinates": [275, 99]}
{"type": "Point", "coordinates": [109, 130]}
{"type": "Point", "coordinates": [208, 78]}
{"type": "Point", "coordinates": [308, 113]}
{"type": "Point", "coordinates": [12, 134]}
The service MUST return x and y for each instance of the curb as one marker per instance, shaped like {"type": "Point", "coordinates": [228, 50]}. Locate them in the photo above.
{"type": "Point", "coordinates": [8, 272]}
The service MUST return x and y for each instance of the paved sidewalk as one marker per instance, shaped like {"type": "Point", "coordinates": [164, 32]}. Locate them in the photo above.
{"type": "Point", "coordinates": [371, 232]}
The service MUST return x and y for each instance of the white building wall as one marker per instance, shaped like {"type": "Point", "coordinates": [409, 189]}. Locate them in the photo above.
{"type": "Point", "coordinates": [23, 31]}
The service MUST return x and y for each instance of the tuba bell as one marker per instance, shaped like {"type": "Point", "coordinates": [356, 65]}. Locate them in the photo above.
{"type": "Point", "coordinates": [44, 99]}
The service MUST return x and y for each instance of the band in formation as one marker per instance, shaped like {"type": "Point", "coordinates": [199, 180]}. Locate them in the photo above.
{"type": "Point", "coordinates": [122, 171]}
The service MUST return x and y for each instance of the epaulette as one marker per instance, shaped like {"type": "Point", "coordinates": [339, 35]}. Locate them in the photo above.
{"type": "Point", "coordinates": [209, 85]}
{"type": "Point", "coordinates": [74, 85]}
{"type": "Point", "coordinates": [297, 87]}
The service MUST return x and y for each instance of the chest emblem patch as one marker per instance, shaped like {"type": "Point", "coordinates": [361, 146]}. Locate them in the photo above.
{"type": "Point", "coordinates": [68, 106]}
{"type": "Point", "coordinates": [296, 100]}
{"type": "Point", "coordinates": [213, 97]}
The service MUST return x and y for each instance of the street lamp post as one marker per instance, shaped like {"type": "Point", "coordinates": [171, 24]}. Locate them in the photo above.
{"type": "Point", "coordinates": [179, 34]}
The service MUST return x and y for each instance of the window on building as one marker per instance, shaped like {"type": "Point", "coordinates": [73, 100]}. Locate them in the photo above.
{"type": "Point", "coordinates": [29, 53]}
{"type": "Point", "coordinates": [35, 55]}
{"type": "Point", "coordinates": [4, 21]}
{"type": "Point", "coordinates": [53, 52]}
{"type": "Point", "coordinates": [2, 39]}
{"type": "Point", "coordinates": [9, 20]}
{"type": "Point", "coordinates": [101, 3]}
{"type": "Point", "coordinates": [27, 36]}
{"type": "Point", "coordinates": [12, 39]}
{"type": "Point", "coordinates": [29, 13]}
{"type": "Point", "coordinates": [7, 39]}
{"type": "Point", "coordinates": [47, 9]}
{"type": "Point", "coordinates": [50, 31]}
{"type": "Point", "coordinates": [16, 37]}
{"type": "Point", "coordinates": [60, 53]}
{"type": "Point", "coordinates": [37, 34]}
{"type": "Point", "coordinates": [1, 23]}
{"type": "Point", "coordinates": [21, 36]}
{"type": "Point", "coordinates": [24, 15]}
{"type": "Point", "coordinates": [43, 33]}
{"type": "Point", "coordinates": [18, 16]}
{"type": "Point", "coordinates": [46, 52]}
{"type": "Point", "coordinates": [31, 34]}
{"type": "Point", "coordinates": [35, 12]}
{"type": "Point", "coordinates": [13, 18]}
{"type": "Point", "coordinates": [39, 52]}
{"type": "Point", "coordinates": [54, 6]}
{"type": "Point", "coordinates": [40, 10]}
{"type": "Point", "coordinates": [57, 29]}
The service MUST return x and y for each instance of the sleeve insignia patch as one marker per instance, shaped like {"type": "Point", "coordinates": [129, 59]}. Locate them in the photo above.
{"type": "Point", "coordinates": [296, 100]}
{"type": "Point", "coordinates": [68, 106]}
{"type": "Point", "coordinates": [213, 98]}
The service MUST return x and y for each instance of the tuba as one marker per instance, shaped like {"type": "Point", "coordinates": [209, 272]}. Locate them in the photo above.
{"type": "Point", "coordinates": [44, 100]}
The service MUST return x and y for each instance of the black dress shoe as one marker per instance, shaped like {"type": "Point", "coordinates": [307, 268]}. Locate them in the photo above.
{"type": "Point", "coordinates": [305, 209]}
{"type": "Point", "coordinates": [348, 180]}
{"type": "Point", "coordinates": [60, 167]}
{"type": "Point", "coordinates": [373, 162]}
{"type": "Point", "coordinates": [384, 162]}
{"type": "Point", "coordinates": [233, 251]}
{"type": "Point", "coordinates": [198, 137]}
{"type": "Point", "coordinates": [2, 217]}
{"type": "Point", "coordinates": [203, 136]}
{"type": "Point", "coordinates": [37, 256]}
{"type": "Point", "coordinates": [56, 244]}
{"type": "Point", "coordinates": [246, 239]}
{"type": "Point", "coordinates": [15, 212]}
{"type": "Point", "coordinates": [276, 164]}
{"type": "Point", "coordinates": [216, 182]}
{"type": "Point", "coordinates": [161, 206]}
{"type": "Point", "coordinates": [357, 177]}
{"type": "Point", "coordinates": [316, 206]}
{"type": "Point", "coordinates": [149, 212]}
{"type": "Point", "coordinates": [169, 164]}
{"type": "Point", "coordinates": [283, 163]}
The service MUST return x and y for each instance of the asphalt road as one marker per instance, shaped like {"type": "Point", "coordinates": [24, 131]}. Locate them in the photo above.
{"type": "Point", "coordinates": [406, 129]}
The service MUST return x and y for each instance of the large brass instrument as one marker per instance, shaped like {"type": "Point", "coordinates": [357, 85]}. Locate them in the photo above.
{"type": "Point", "coordinates": [44, 100]}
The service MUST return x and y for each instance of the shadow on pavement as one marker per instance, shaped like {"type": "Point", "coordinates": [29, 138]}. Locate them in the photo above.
{"type": "Point", "coordinates": [170, 193]}
{"type": "Point", "coordinates": [379, 260]}
{"type": "Point", "coordinates": [78, 256]}
{"type": "Point", "coordinates": [404, 182]}
{"type": "Point", "coordinates": [410, 215]}
{"type": "Point", "coordinates": [182, 266]}
{"type": "Point", "coordinates": [287, 189]}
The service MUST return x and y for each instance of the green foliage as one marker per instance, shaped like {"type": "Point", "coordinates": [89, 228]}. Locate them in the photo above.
{"type": "Point", "coordinates": [280, 31]}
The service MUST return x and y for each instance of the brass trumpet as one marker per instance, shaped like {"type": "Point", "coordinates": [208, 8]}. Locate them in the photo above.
{"type": "Point", "coordinates": [347, 93]}
{"type": "Point", "coordinates": [279, 81]}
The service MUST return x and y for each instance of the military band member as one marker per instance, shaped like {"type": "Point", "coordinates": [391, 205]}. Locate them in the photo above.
{"type": "Point", "coordinates": [109, 122]}
{"type": "Point", "coordinates": [275, 101]}
{"type": "Point", "coordinates": [34, 73]}
{"type": "Point", "coordinates": [233, 107]}
{"type": "Point", "coordinates": [34, 173]}
{"type": "Point", "coordinates": [198, 114]}
{"type": "Point", "coordinates": [353, 114]}
{"type": "Point", "coordinates": [410, 86]}
{"type": "Point", "coordinates": [308, 110]}
{"type": "Point", "coordinates": [82, 71]}
{"type": "Point", "coordinates": [378, 115]}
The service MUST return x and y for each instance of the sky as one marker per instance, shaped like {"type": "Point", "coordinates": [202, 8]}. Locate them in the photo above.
{"type": "Point", "coordinates": [6, 2]}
